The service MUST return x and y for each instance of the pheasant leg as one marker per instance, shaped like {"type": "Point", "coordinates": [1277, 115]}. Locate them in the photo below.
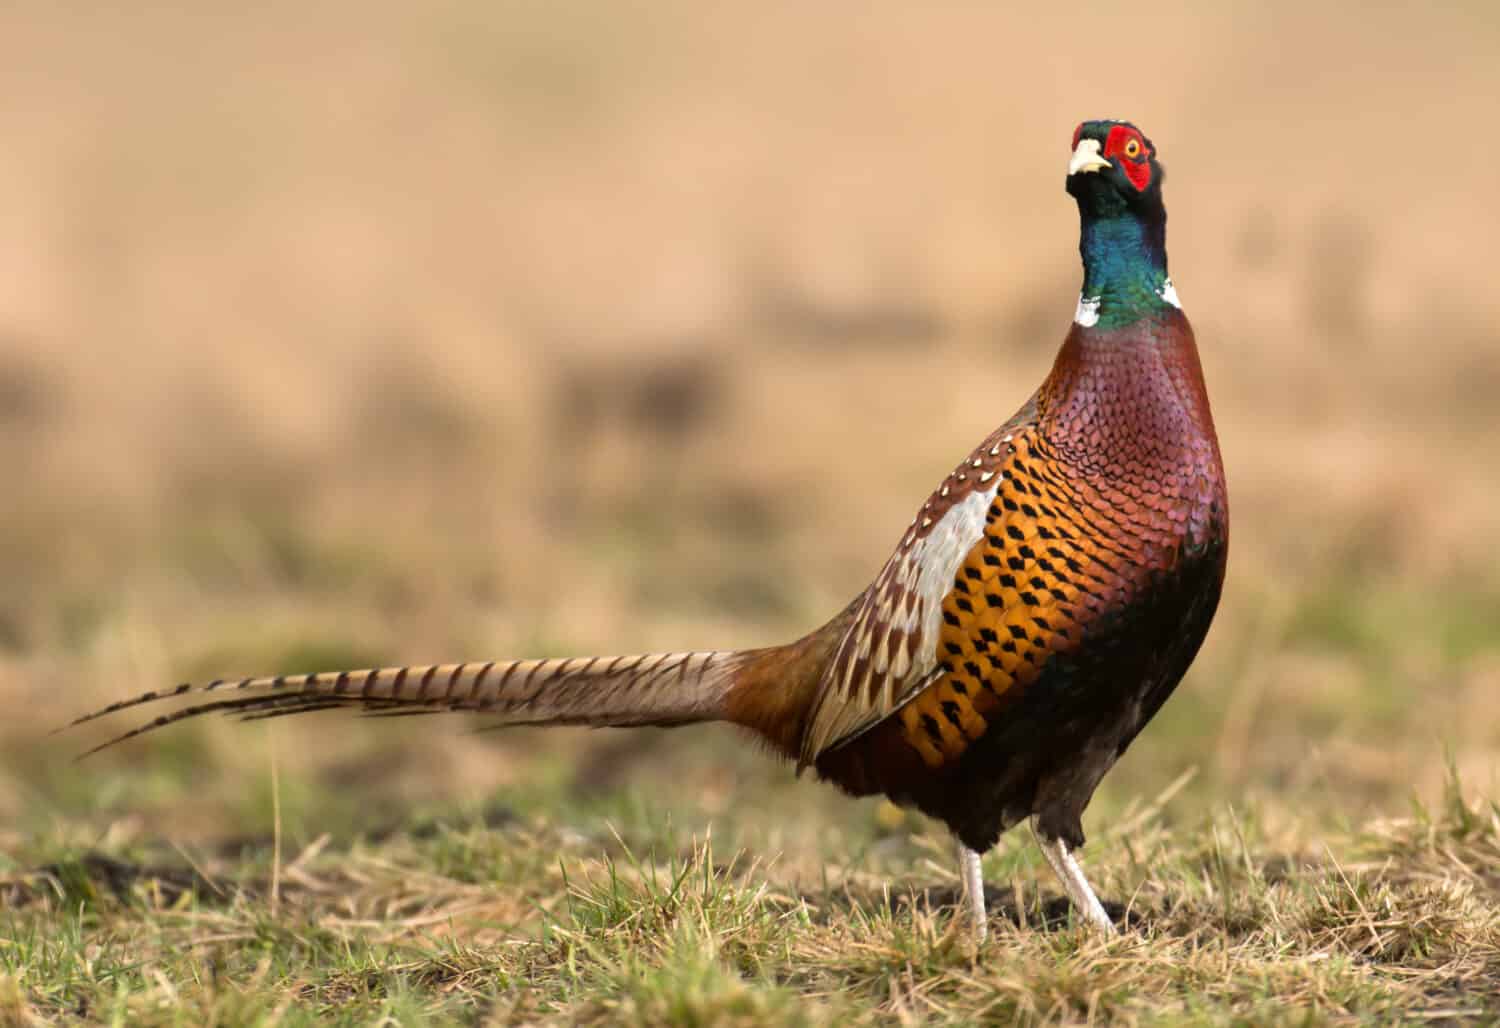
{"type": "Point", "coordinates": [969, 871]}
{"type": "Point", "coordinates": [1068, 871]}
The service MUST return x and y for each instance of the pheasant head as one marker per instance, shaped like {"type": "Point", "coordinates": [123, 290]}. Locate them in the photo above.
{"type": "Point", "coordinates": [1115, 177]}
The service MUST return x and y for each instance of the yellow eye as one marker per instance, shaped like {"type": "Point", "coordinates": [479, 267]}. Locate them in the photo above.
{"type": "Point", "coordinates": [1133, 148]}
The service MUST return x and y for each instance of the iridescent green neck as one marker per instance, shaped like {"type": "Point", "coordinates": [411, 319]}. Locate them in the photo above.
{"type": "Point", "coordinates": [1124, 270]}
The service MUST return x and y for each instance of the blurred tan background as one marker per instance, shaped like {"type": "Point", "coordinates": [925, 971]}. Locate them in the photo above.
{"type": "Point", "coordinates": [374, 332]}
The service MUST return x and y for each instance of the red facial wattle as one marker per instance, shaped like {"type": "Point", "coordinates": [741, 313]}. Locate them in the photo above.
{"type": "Point", "coordinates": [1134, 162]}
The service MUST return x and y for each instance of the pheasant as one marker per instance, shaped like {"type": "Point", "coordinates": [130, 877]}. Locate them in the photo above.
{"type": "Point", "coordinates": [1039, 609]}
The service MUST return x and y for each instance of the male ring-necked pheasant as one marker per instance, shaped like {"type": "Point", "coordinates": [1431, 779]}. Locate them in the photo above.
{"type": "Point", "coordinates": [1042, 605]}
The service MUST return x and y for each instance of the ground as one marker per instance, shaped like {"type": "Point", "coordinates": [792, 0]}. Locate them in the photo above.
{"type": "Point", "coordinates": [561, 902]}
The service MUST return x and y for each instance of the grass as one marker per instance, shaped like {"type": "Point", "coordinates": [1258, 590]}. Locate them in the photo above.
{"type": "Point", "coordinates": [559, 917]}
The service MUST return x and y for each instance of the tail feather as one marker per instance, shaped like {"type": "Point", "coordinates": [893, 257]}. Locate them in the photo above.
{"type": "Point", "coordinates": [652, 689]}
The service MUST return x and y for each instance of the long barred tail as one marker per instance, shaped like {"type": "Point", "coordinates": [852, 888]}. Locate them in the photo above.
{"type": "Point", "coordinates": [654, 689]}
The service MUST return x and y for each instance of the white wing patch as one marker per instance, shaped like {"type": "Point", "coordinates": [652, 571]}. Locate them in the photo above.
{"type": "Point", "coordinates": [946, 547]}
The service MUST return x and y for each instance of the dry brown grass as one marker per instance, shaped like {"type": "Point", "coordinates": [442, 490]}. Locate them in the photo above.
{"type": "Point", "coordinates": [524, 921]}
{"type": "Point", "coordinates": [383, 333]}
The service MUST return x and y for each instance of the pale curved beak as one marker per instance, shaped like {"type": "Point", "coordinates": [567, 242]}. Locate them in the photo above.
{"type": "Point", "coordinates": [1086, 157]}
